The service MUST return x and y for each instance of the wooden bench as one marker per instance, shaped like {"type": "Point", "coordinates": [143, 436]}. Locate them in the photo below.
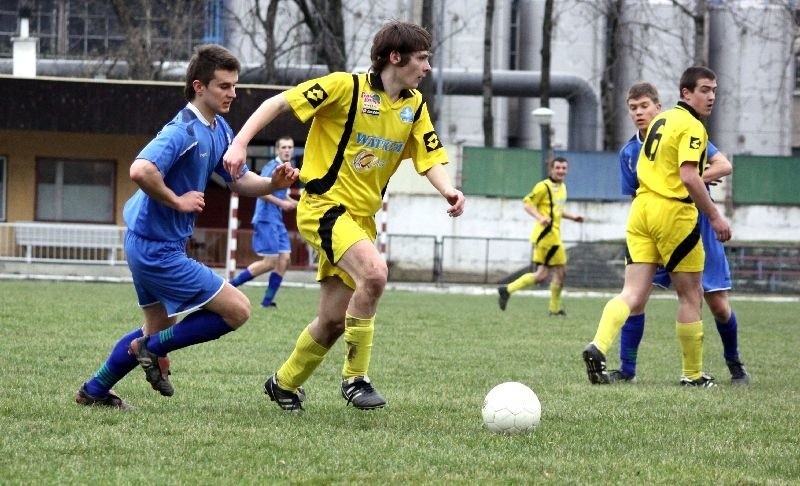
{"type": "Point", "coordinates": [59, 236]}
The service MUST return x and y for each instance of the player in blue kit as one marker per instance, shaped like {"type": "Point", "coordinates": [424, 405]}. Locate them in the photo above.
{"type": "Point", "coordinates": [270, 238]}
{"type": "Point", "coordinates": [172, 172]}
{"type": "Point", "coordinates": [643, 106]}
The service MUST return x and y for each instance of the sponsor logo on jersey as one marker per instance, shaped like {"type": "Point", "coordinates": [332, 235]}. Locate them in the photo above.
{"type": "Point", "coordinates": [431, 141]}
{"type": "Point", "coordinates": [366, 160]}
{"type": "Point", "coordinates": [370, 103]}
{"type": "Point", "coordinates": [371, 141]}
{"type": "Point", "coordinates": [694, 143]}
{"type": "Point", "coordinates": [315, 95]}
{"type": "Point", "coordinates": [407, 115]}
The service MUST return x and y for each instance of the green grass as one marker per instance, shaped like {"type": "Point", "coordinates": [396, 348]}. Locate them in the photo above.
{"type": "Point", "coordinates": [435, 357]}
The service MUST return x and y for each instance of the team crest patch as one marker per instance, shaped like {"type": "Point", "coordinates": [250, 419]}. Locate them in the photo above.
{"type": "Point", "coordinates": [406, 115]}
{"type": "Point", "coordinates": [315, 95]}
{"type": "Point", "coordinates": [432, 141]}
{"type": "Point", "coordinates": [694, 143]}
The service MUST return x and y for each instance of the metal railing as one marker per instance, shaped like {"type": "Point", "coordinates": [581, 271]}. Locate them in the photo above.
{"type": "Point", "coordinates": [760, 268]}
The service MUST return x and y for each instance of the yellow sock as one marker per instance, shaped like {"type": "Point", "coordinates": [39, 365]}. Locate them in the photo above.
{"type": "Point", "coordinates": [614, 314]}
{"type": "Point", "coordinates": [555, 297]}
{"type": "Point", "coordinates": [690, 335]}
{"type": "Point", "coordinates": [522, 282]}
{"type": "Point", "coordinates": [305, 358]}
{"type": "Point", "coordinates": [357, 345]}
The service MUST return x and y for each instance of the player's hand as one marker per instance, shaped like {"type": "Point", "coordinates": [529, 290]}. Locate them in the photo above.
{"type": "Point", "coordinates": [284, 176]}
{"type": "Point", "coordinates": [233, 160]}
{"type": "Point", "coordinates": [578, 219]}
{"type": "Point", "coordinates": [456, 200]}
{"type": "Point", "coordinates": [288, 204]}
{"type": "Point", "coordinates": [191, 202]}
{"type": "Point", "coordinates": [545, 221]}
{"type": "Point", "coordinates": [721, 227]}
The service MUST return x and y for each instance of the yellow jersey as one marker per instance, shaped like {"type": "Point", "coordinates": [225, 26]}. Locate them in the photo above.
{"type": "Point", "coordinates": [359, 136]}
{"type": "Point", "coordinates": [549, 198]}
{"type": "Point", "coordinates": [673, 137]}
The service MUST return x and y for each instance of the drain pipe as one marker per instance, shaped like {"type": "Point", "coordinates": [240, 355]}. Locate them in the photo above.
{"type": "Point", "coordinates": [583, 104]}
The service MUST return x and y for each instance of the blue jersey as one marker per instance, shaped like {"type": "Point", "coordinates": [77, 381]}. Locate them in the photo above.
{"type": "Point", "coordinates": [267, 212]}
{"type": "Point", "coordinates": [629, 156]}
{"type": "Point", "coordinates": [186, 151]}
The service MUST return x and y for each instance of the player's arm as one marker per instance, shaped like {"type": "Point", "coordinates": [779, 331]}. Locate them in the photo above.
{"type": "Point", "coordinates": [148, 177]}
{"type": "Point", "coordinates": [718, 167]}
{"type": "Point", "coordinates": [285, 204]}
{"type": "Point", "coordinates": [237, 153]}
{"type": "Point", "coordinates": [697, 191]}
{"type": "Point", "coordinates": [440, 179]}
{"type": "Point", "coordinates": [539, 217]}
{"type": "Point", "coordinates": [253, 185]}
{"type": "Point", "coordinates": [574, 217]}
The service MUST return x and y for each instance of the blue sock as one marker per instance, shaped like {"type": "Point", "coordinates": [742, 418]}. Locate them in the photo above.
{"type": "Point", "coordinates": [118, 364]}
{"type": "Point", "coordinates": [274, 284]}
{"type": "Point", "coordinates": [197, 327]}
{"type": "Point", "coordinates": [729, 333]}
{"type": "Point", "coordinates": [243, 277]}
{"type": "Point", "coordinates": [629, 340]}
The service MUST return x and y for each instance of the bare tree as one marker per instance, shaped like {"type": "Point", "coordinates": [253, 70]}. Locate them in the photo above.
{"type": "Point", "coordinates": [324, 20]}
{"type": "Point", "coordinates": [488, 119]}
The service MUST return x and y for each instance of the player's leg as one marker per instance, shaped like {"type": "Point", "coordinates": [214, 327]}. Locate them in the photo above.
{"type": "Point", "coordinates": [264, 245]}
{"type": "Point", "coordinates": [689, 328]}
{"type": "Point", "coordinates": [728, 329]}
{"type": "Point", "coordinates": [98, 389]}
{"type": "Point", "coordinates": [716, 284]}
{"type": "Point", "coordinates": [311, 347]}
{"type": "Point", "coordinates": [556, 287]}
{"type": "Point", "coordinates": [631, 336]}
{"type": "Point", "coordinates": [557, 261]}
{"type": "Point", "coordinates": [282, 260]}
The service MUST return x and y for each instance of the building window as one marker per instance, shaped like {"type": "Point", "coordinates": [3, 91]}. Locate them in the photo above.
{"type": "Point", "coordinates": [75, 190]}
{"type": "Point", "coordinates": [2, 188]}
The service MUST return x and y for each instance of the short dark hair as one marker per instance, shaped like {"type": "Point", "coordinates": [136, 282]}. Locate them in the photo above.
{"type": "Point", "coordinates": [556, 159]}
{"type": "Point", "coordinates": [403, 37]}
{"type": "Point", "coordinates": [692, 75]}
{"type": "Point", "coordinates": [641, 90]}
{"type": "Point", "coordinates": [208, 58]}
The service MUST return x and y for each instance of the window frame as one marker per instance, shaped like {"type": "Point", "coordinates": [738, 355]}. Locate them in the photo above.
{"type": "Point", "coordinates": [61, 160]}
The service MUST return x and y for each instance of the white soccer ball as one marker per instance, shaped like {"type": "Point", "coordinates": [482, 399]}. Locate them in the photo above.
{"type": "Point", "coordinates": [511, 408]}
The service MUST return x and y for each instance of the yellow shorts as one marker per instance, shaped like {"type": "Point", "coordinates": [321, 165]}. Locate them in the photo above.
{"type": "Point", "coordinates": [666, 232]}
{"type": "Point", "coordinates": [328, 227]}
{"type": "Point", "coordinates": [549, 251]}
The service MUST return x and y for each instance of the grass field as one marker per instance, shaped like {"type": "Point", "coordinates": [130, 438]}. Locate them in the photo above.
{"type": "Point", "coordinates": [435, 357]}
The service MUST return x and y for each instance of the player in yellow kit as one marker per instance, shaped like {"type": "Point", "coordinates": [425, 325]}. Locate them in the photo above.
{"type": "Point", "coordinates": [362, 126]}
{"type": "Point", "coordinates": [663, 228]}
{"type": "Point", "coordinates": [545, 203]}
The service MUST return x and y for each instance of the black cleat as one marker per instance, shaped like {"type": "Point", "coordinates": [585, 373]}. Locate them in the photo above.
{"type": "Point", "coordinates": [359, 392]}
{"type": "Point", "coordinates": [156, 368]}
{"type": "Point", "coordinates": [561, 313]}
{"type": "Point", "coordinates": [595, 365]}
{"type": "Point", "coordinates": [111, 400]}
{"type": "Point", "coordinates": [290, 401]}
{"type": "Point", "coordinates": [502, 298]}
{"type": "Point", "coordinates": [620, 376]}
{"type": "Point", "coordinates": [705, 381]}
{"type": "Point", "coordinates": [739, 375]}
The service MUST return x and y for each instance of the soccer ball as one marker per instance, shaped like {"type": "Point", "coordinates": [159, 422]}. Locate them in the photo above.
{"type": "Point", "coordinates": [511, 408]}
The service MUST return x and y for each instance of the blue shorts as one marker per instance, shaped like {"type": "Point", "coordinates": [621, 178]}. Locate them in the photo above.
{"type": "Point", "coordinates": [270, 239]}
{"type": "Point", "coordinates": [716, 272]}
{"type": "Point", "coordinates": [163, 273]}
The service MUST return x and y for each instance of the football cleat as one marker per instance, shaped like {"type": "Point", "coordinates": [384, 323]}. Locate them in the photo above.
{"type": "Point", "coordinates": [561, 313]}
{"type": "Point", "coordinates": [359, 392]}
{"type": "Point", "coordinates": [502, 298]}
{"type": "Point", "coordinates": [111, 400]}
{"type": "Point", "coordinates": [595, 365]}
{"type": "Point", "coordinates": [619, 375]}
{"type": "Point", "coordinates": [156, 368]}
{"type": "Point", "coordinates": [739, 375]}
{"type": "Point", "coordinates": [705, 381]}
{"type": "Point", "coordinates": [290, 401]}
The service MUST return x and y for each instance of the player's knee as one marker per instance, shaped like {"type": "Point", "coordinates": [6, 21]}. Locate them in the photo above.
{"type": "Point", "coordinates": [374, 279]}
{"type": "Point", "coordinates": [238, 313]}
